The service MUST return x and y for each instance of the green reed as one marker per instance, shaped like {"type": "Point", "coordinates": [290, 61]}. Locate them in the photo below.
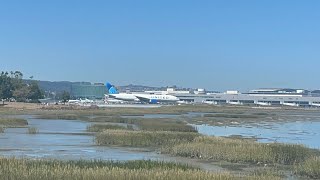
{"type": "Point", "coordinates": [102, 127]}
{"type": "Point", "coordinates": [143, 138]}
{"type": "Point", "coordinates": [13, 122]}
{"type": "Point", "coordinates": [33, 130]}
{"type": "Point", "coordinates": [238, 150]}
{"type": "Point", "coordinates": [310, 168]}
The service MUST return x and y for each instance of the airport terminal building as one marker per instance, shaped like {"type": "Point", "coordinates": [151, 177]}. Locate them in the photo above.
{"type": "Point", "coordinates": [88, 90]}
{"type": "Point", "coordinates": [262, 97]}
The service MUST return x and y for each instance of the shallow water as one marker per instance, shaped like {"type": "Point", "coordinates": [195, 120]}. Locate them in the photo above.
{"type": "Point", "coordinates": [298, 132]}
{"type": "Point", "coordinates": [68, 140]}
{"type": "Point", "coordinates": [62, 139]}
{"type": "Point", "coordinates": [302, 127]}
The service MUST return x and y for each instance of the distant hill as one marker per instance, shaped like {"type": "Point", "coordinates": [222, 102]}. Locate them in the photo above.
{"type": "Point", "coordinates": [56, 86]}
{"type": "Point", "coordinates": [60, 86]}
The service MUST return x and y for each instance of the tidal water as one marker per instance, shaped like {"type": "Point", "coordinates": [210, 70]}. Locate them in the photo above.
{"type": "Point", "coordinates": [297, 132]}
{"type": "Point", "coordinates": [62, 139]}
{"type": "Point", "coordinates": [68, 139]}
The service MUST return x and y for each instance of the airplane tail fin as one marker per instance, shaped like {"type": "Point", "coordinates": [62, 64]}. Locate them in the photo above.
{"type": "Point", "coordinates": [111, 89]}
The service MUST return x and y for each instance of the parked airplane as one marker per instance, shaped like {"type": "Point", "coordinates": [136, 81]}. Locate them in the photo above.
{"type": "Point", "coordinates": [210, 102]}
{"type": "Point", "coordinates": [148, 98]}
{"type": "Point", "coordinates": [107, 99]}
{"type": "Point", "coordinates": [76, 101]}
{"type": "Point", "coordinates": [263, 103]}
{"type": "Point", "coordinates": [71, 101]}
{"type": "Point", "coordinates": [235, 102]}
{"type": "Point", "coordinates": [154, 99]}
{"type": "Point", "coordinates": [86, 101]}
{"type": "Point", "coordinates": [316, 104]}
{"type": "Point", "coordinates": [290, 104]}
{"type": "Point", "coordinates": [113, 93]}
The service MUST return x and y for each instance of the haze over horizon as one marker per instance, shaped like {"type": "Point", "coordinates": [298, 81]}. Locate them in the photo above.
{"type": "Point", "coordinates": [217, 45]}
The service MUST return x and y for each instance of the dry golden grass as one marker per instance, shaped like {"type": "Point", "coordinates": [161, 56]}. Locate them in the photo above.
{"type": "Point", "coordinates": [21, 106]}
{"type": "Point", "coordinates": [24, 169]}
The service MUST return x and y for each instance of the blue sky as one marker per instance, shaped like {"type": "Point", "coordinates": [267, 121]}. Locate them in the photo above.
{"type": "Point", "coordinates": [216, 44]}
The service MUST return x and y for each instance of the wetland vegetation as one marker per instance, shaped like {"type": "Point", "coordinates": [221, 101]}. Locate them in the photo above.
{"type": "Point", "coordinates": [13, 122]}
{"type": "Point", "coordinates": [173, 137]}
{"type": "Point", "coordinates": [143, 138]}
{"type": "Point", "coordinates": [102, 127]}
{"type": "Point", "coordinates": [310, 168]}
{"type": "Point", "coordinates": [2, 129]}
{"type": "Point", "coordinates": [33, 130]}
{"type": "Point", "coordinates": [11, 168]}
{"type": "Point", "coordinates": [239, 150]}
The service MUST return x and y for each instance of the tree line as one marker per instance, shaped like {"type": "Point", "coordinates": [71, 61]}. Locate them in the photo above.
{"type": "Point", "coordinates": [13, 88]}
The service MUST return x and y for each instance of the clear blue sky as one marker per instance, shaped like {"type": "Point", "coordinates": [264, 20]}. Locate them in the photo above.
{"type": "Point", "coordinates": [214, 44]}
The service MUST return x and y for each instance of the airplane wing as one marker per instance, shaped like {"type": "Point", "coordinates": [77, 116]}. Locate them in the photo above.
{"type": "Point", "coordinates": [142, 99]}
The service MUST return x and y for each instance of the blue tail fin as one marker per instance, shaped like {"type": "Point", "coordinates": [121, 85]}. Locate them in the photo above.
{"type": "Point", "coordinates": [111, 88]}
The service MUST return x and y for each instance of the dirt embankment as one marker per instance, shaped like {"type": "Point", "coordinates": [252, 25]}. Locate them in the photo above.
{"type": "Point", "coordinates": [21, 106]}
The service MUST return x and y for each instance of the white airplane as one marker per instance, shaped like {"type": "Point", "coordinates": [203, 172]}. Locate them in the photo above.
{"type": "Point", "coordinates": [263, 103]}
{"type": "Point", "coordinates": [290, 104]}
{"type": "Point", "coordinates": [71, 101]}
{"type": "Point", "coordinates": [114, 94]}
{"type": "Point", "coordinates": [184, 102]}
{"type": "Point", "coordinates": [112, 100]}
{"type": "Point", "coordinates": [210, 102]}
{"type": "Point", "coordinates": [76, 101]}
{"type": "Point", "coordinates": [154, 99]}
{"type": "Point", "coordinates": [234, 102]}
{"type": "Point", "coordinates": [315, 104]}
{"type": "Point", "coordinates": [148, 98]}
{"type": "Point", "coordinates": [86, 101]}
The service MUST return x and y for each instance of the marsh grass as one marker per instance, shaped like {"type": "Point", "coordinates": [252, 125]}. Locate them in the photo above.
{"type": "Point", "coordinates": [13, 122]}
{"type": "Point", "coordinates": [237, 116]}
{"type": "Point", "coordinates": [266, 171]}
{"type": "Point", "coordinates": [61, 116]}
{"type": "Point", "coordinates": [177, 110]}
{"type": "Point", "coordinates": [112, 119]}
{"type": "Point", "coordinates": [149, 124]}
{"type": "Point", "coordinates": [11, 168]}
{"type": "Point", "coordinates": [237, 150]}
{"type": "Point", "coordinates": [310, 168]}
{"type": "Point", "coordinates": [33, 130]}
{"type": "Point", "coordinates": [2, 129]}
{"type": "Point", "coordinates": [102, 127]}
{"type": "Point", "coordinates": [143, 138]}
{"type": "Point", "coordinates": [224, 121]}
{"type": "Point", "coordinates": [135, 164]}
{"type": "Point", "coordinates": [160, 124]}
